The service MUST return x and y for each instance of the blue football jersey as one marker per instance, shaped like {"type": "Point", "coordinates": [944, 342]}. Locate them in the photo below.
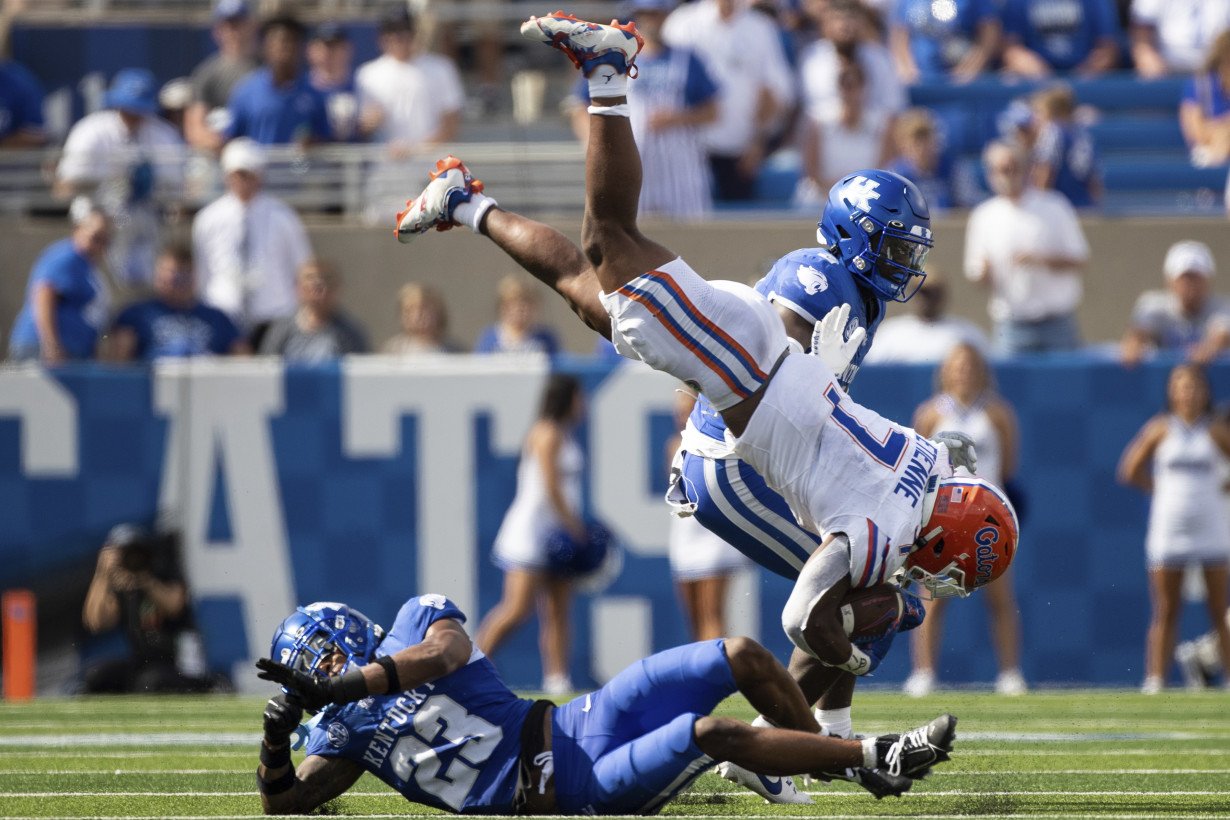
{"type": "Point", "coordinates": [809, 282]}
{"type": "Point", "coordinates": [452, 743]}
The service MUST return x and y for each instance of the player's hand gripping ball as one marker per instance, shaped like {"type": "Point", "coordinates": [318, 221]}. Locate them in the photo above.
{"type": "Point", "coordinates": [873, 612]}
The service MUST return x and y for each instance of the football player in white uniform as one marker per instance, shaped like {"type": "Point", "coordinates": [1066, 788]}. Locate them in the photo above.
{"type": "Point", "coordinates": [884, 498]}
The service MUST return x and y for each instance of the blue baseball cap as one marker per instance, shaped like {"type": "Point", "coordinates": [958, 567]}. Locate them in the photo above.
{"type": "Point", "coordinates": [133, 89]}
{"type": "Point", "coordinates": [230, 10]}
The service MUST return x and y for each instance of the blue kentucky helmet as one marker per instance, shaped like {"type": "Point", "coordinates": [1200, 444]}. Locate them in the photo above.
{"type": "Point", "coordinates": [878, 224]}
{"type": "Point", "coordinates": [312, 632]}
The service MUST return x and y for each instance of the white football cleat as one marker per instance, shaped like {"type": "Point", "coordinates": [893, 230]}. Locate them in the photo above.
{"type": "Point", "coordinates": [451, 184]}
{"type": "Point", "coordinates": [588, 45]}
{"type": "Point", "coordinates": [1011, 683]}
{"type": "Point", "coordinates": [772, 789]}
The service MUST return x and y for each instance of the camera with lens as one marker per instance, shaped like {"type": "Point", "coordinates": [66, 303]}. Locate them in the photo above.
{"type": "Point", "coordinates": [138, 548]}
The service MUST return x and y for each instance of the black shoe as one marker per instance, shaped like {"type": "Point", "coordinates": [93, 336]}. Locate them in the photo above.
{"type": "Point", "coordinates": [913, 754]}
{"type": "Point", "coordinates": [877, 781]}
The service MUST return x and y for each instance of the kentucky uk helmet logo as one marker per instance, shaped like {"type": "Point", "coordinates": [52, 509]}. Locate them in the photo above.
{"type": "Point", "coordinates": [861, 191]}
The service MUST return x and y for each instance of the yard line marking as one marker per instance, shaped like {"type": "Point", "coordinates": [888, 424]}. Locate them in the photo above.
{"type": "Point", "coordinates": [842, 794]}
{"type": "Point", "coordinates": [123, 738]}
{"type": "Point", "coordinates": [947, 772]}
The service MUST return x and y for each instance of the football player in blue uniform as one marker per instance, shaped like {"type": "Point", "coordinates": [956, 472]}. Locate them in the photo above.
{"type": "Point", "coordinates": [426, 712]}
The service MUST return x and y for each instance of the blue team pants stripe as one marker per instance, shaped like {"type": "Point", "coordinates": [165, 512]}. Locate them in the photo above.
{"type": "Point", "coordinates": [733, 502]}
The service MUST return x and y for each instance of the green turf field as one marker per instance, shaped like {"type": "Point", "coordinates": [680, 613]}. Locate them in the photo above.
{"type": "Point", "coordinates": [1077, 754]}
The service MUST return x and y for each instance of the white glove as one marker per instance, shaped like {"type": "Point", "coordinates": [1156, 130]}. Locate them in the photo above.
{"type": "Point", "coordinates": [960, 449]}
{"type": "Point", "coordinates": [829, 342]}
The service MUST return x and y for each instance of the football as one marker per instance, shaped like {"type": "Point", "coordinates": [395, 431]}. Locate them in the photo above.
{"type": "Point", "coordinates": [871, 612]}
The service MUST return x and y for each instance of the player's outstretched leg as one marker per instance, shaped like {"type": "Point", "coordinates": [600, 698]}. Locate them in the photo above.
{"type": "Point", "coordinates": [606, 54]}
{"type": "Point", "coordinates": [782, 751]}
{"type": "Point", "coordinates": [454, 197]}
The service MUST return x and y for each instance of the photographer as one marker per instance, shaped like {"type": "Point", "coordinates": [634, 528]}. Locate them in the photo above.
{"type": "Point", "coordinates": [139, 588]}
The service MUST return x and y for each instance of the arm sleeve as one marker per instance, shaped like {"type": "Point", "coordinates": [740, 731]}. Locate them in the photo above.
{"type": "Point", "coordinates": [699, 87]}
{"type": "Point", "coordinates": [870, 560]}
{"type": "Point", "coordinates": [1072, 238]}
{"type": "Point", "coordinates": [1106, 20]}
{"type": "Point", "coordinates": [975, 254]}
{"type": "Point", "coordinates": [1148, 314]}
{"type": "Point", "coordinates": [78, 160]}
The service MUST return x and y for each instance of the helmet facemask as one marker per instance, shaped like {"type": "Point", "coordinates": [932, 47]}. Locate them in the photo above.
{"type": "Point", "coordinates": [896, 258]}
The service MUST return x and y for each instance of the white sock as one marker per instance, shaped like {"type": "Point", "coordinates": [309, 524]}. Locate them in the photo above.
{"type": "Point", "coordinates": [869, 752]}
{"type": "Point", "coordinates": [620, 110]}
{"type": "Point", "coordinates": [607, 82]}
{"type": "Point", "coordinates": [835, 722]}
{"type": "Point", "coordinates": [471, 213]}
{"type": "Point", "coordinates": [762, 722]}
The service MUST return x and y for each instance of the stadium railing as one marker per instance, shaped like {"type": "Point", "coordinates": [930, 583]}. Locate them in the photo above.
{"type": "Point", "coordinates": [531, 176]}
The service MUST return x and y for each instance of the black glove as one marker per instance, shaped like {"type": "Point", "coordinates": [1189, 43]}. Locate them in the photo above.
{"type": "Point", "coordinates": [313, 692]}
{"type": "Point", "coordinates": [282, 716]}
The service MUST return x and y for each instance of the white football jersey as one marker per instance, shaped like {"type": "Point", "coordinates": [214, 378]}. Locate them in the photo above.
{"type": "Point", "coordinates": [841, 467]}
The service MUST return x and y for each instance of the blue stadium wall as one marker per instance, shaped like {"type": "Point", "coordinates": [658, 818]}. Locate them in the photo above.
{"type": "Point", "coordinates": [373, 480]}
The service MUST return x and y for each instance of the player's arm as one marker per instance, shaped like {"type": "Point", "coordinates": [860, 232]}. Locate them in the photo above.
{"type": "Point", "coordinates": [812, 615]}
{"type": "Point", "coordinates": [1134, 465]}
{"type": "Point", "coordinates": [445, 648]}
{"type": "Point", "coordinates": [797, 327]}
{"type": "Point", "coordinates": [316, 781]}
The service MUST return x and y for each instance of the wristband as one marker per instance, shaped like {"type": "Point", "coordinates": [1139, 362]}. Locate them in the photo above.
{"type": "Point", "coordinates": [349, 687]}
{"type": "Point", "coordinates": [390, 670]}
{"type": "Point", "coordinates": [278, 784]}
{"type": "Point", "coordinates": [858, 663]}
{"type": "Point", "coordinates": [275, 758]}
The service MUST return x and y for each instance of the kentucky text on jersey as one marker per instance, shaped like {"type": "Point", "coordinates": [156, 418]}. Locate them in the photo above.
{"type": "Point", "coordinates": [913, 482]}
{"type": "Point", "coordinates": [399, 715]}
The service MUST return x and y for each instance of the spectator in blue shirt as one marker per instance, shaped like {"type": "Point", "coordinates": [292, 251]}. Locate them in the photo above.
{"type": "Point", "coordinates": [517, 329]}
{"type": "Point", "coordinates": [932, 40]}
{"type": "Point", "coordinates": [21, 107]}
{"type": "Point", "coordinates": [1045, 37]}
{"type": "Point", "coordinates": [174, 322]}
{"type": "Point", "coordinates": [1065, 158]}
{"type": "Point", "coordinates": [277, 104]}
{"type": "Point", "coordinates": [1204, 113]}
{"type": "Point", "coordinates": [66, 299]}
{"type": "Point", "coordinates": [920, 158]}
{"type": "Point", "coordinates": [330, 57]}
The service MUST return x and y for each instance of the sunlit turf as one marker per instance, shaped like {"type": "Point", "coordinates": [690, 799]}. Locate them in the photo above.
{"type": "Point", "coordinates": [1066, 754]}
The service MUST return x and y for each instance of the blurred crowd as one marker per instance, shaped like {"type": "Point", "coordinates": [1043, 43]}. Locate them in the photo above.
{"type": "Point", "coordinates": [724, 86]}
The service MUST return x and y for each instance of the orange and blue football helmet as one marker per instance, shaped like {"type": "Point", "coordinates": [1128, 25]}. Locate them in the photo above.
{"type": "Point", "coordinates": [967, 540]}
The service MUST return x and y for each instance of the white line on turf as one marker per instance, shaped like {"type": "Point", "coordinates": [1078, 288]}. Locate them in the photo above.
{"type": "Point", "coordinates": [841, 794]}
{"type": "Point", "coordinates": [946, 773]}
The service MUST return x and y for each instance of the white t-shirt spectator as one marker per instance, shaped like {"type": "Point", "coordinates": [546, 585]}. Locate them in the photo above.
{"type": "Point", "coordinates": [1158, 313]}
{"type": "Point", "coordinates": [909, 339]}
{"type": "Point", "coordinates": [743, 55]}
{"type": "Point", "coordinates": [1185, 28]}
{"type": "Point", "coordinates": [1041, 223]}
{"type": "Point", "coordinates": [100, 148]}
{"type": "Point", "coordinates": [819, 67]}
{"type": "Point", "coordinates": [247, 257]}
{"type": "Point", "coordinates": [414, 95]}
